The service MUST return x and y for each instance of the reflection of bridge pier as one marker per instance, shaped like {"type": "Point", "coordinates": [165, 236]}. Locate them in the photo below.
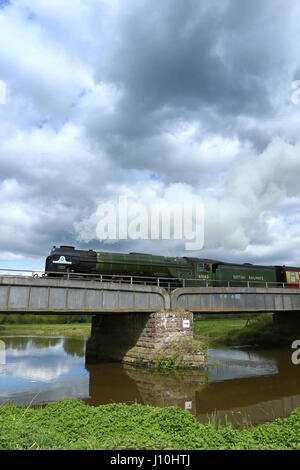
{"type": "Point", "coordinates": [116, 383]}
{"type": "Point", "coordinates": [177, 388]}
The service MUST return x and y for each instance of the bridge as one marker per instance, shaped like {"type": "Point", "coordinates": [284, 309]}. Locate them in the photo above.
{"type": "Point", "coordinates": [25, 294]}
{"type": "Point", "coordinates": [20, 294]}
{"type": "Point", "coordinates": [134, 322]}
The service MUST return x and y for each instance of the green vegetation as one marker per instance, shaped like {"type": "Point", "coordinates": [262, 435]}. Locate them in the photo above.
{"type": "Point", "coordinates": [168, 362]}
{"type": "Point", "coordinates": [178, 350]}
{"type": "Point", "coordinates": [45, 325]}
{"type": "Point", "coordinates": [248, 330]}
{"type": "Point", "coordinates": [12, 319]}
{"type": "Point", "coordinates": [70, 424]}
{"type": "Point", "coordinates": [79, 330]}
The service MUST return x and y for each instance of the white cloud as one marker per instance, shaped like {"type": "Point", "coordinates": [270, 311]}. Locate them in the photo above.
{"type": "Point", "coordinates": [254, 216]}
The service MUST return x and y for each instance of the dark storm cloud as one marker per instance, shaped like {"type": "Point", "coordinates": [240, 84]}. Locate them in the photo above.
{"type": "Point", "coordinates": [195, 61]}
{"type": "Point", "coordinates": [195, 55]}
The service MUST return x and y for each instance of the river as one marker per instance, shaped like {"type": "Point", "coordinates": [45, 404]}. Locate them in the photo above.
{"type": "Point", "coordinates": [246, 386]}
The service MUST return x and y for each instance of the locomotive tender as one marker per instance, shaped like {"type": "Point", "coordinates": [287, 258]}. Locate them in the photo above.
{"type": "Point", "coordinates": [66, 260]}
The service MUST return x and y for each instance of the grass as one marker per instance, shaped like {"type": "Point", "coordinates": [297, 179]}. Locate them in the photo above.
{"type": "Point", "coordinates": [258, 330]}
{"type": "Point", "coordinates": [70, 424]}
{"type": "Point", "coordinates": [72, 329]}
{"type": "Point", "coordinates": [212, 330]}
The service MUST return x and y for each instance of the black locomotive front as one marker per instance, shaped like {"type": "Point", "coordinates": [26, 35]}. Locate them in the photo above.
{"type": "Point", "coordinates": [66, 259]}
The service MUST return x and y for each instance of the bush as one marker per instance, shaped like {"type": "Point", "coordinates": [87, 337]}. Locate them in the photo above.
{"type": "Point", "coordinates": [70, 424]}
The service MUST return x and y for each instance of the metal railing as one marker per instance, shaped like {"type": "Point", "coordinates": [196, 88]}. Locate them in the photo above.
{"type": "Point", "coordinates": [12, 272]}
{"type": "Point", "coordinates": [168, 283]}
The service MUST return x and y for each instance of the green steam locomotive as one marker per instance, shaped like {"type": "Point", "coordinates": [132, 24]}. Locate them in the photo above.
{"type": "Point", "coordinates": [66, 260]}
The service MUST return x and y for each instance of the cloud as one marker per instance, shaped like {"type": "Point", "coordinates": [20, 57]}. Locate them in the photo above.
{"type": "Point", "coordinates": [255, 213]}
{"type": "Point", "coordinates": [186, 101]}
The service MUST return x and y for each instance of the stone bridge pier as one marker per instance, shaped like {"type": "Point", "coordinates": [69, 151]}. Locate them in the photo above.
{"type": "Point", "coordinates": [288, 322]}
{"type": "Point", "coordinates": [144, 339]}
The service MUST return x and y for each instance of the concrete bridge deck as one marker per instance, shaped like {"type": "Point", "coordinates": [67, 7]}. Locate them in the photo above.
{"type": "Point", "coordinates": [236, 299]}
{"type": "Point", "coordinates": [20, 294]}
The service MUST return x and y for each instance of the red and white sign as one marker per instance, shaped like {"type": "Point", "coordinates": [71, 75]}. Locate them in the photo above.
{"type": "Point", "coordinates": [188, 405]}
{"type": "Point", "coordinates": [186, 323]}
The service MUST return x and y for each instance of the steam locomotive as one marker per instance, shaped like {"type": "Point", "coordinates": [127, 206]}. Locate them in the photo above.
{"type": "Point", "coordinates": [67, 261]}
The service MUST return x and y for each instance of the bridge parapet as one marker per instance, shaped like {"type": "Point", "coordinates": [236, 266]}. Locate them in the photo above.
{"type": "Point", "coordinates": [20, 294]}
{"type": "Point", "coordinates": [236, 299]}
{"type": "Point", "coordinates": [42, 295]}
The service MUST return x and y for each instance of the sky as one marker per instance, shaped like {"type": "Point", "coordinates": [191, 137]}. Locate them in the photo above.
{"type": "Point", "coordinates": [181, 100]}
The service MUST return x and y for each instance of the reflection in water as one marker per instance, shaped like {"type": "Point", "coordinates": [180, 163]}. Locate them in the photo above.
{"type": "Point", "coordinates": [21, 343]}
{"type": "Point", "coordinates": [236, 363]}
{"type": "Point", "coordinates": [42, 369]}
{"type": "Point", "coordinates": [114, 383]}
{"type": "Point", "coordinates": [249, 386]}
{"type": "Point", "coordinates": [73, 347]}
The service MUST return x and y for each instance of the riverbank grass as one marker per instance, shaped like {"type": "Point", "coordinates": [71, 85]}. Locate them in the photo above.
{"type": "Point", "coordinates": [81, 330]}
{"type": "Point", "coordinates": [259, 330]}
{"type": "Point", "coordinates": [70, 424]}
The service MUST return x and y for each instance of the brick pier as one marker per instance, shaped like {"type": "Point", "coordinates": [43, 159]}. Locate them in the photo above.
{"type": "Point", "coordinates": [143, 339]}
{"type": "Point", "coordinates": [288, 322]}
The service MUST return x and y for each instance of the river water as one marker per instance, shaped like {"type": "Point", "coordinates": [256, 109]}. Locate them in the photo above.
{"type": "Point", "coordinates": [243, 385]}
